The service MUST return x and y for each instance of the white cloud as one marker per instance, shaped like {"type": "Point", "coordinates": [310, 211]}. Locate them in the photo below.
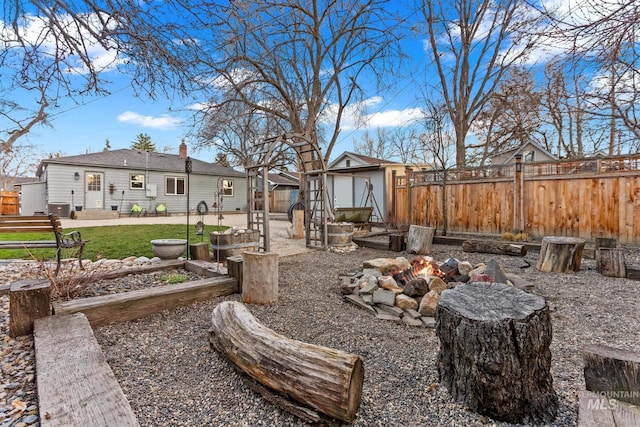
{"type": "Point", "coordinates": [164, 122]}
{"type": "Point", "coordinates": [357, 116]}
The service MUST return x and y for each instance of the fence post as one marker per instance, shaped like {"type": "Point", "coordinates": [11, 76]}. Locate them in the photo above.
{"type": "Point", "coordinates": [517, 196]}
{"type": "Point", "coordinates": [409, 176]}
{"type": "Point", "coordinates": [394, 199]}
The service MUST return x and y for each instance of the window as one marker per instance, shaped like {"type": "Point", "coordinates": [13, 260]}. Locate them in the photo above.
{"type": "Point", "coordinates": [174, 185]}
{"type": "Point", "coordinates": [94, 182]}
{"type": "Point", "coordinates": [136, 182]}
{"type": "Point", "coordinates": [227, 187]}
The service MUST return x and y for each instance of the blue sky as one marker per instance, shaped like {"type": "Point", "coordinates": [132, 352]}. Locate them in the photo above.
{"type": "Point", "coordinates": [83, 127]}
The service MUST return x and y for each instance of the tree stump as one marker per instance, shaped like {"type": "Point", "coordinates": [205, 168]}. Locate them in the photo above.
{"type": "Point", "coordinates": [28, 300]}
{"type": "Point", "coordinates": [322, 378]}
{"type": "Point", "coordinates": [397, 243]}
{"type": "Point", "coordinates": [259, 277]}
{"type": "Point", "coordinates": [498, 248]}
{"type": "Point", "coordinates": [610, 262]}
{"type": "Point", "coordinates": [494, 351]}
{"type": "Point", "coordinates": [200, 251]}
{"type": "Point", "coordinates": [419, 239]}
{"type": "Point", "coordinates": [560, 254]}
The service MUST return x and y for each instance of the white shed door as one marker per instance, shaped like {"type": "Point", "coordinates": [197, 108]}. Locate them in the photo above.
{"type": "Point", "coordinates": [94, 190]}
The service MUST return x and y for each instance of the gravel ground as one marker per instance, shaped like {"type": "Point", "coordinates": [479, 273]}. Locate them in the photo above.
{"type": "Point", "coordinates": [172, 377]}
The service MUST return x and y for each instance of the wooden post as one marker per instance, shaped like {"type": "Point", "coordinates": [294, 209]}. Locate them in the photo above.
{"type": "Point", "coordinates": [420, 239]}
{"type": "Point", "coordinates": [298, 224]}
{"type": "Point", "coordinates": [28, 300]}
{"type": "Point", "coordinates": [200, 251]}
{"type": "Point", "coordinates": [397, 243]}
{"type": "Point", "coordinates": [494, 351]}
{"type": "Point", "coordinates": [560, 254]}
{"type": "Point", "coordinates": [321, 378]}
{"type": "Point", "coordinates": [259, 277]}
{"type": "Point", "coordinates": [234, 269]}
{"type": "Point", "coordinates": [518, 220]}
{"type": "Point", "coordinates": [394, 199]}
{"type": "Point", "coordinates": [408, 173]}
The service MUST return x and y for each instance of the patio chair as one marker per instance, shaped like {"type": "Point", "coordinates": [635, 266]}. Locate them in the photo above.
{"type": "Point", "coordinates": [137, 210]}
{"type": "Point", "coordinates": [161, 209]}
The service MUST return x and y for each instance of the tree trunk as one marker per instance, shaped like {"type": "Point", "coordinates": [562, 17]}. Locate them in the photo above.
{"type": "Point", "coordinates": [322, 378]}
{"type": "Point", "coordinates": [489, 247]}
{"type": "Point", "coordinates": [560, 254]}
{"type": "Point", "coordinates": [494, 351]}
{"type": "Point", "coordinates": [419, 239]}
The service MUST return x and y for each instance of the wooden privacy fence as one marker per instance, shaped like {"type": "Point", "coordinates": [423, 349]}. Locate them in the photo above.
{"type": "Point", "coordinates": [587, 198]}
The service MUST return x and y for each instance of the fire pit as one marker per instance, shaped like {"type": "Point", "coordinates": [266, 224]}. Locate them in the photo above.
{"type": "Point", "coordinates": [401, 290]}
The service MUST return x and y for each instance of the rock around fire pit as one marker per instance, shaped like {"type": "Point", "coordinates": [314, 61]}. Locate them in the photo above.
{"type": "Point", "coordinates": [406, 291]}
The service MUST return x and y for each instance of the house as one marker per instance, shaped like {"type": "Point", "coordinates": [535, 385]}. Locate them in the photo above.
{"type": "Point", "coordinates": [355, 180]}
{"type": "Point", "coordinates": [531, 152]}
{"type": "Point", "coordinates": [115, 180]}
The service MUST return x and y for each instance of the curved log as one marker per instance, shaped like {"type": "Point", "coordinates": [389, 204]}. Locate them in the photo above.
{"type": "Point", "coordinates": [322, 378]}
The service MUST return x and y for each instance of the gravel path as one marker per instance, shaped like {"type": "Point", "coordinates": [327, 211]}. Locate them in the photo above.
{"type": "Point", "coordinates": [172, 377]}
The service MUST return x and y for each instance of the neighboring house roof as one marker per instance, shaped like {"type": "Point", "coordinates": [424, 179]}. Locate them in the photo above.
{"type": "Point", "coordinates": [281, 179]}
{"type": "Point", "coordinates": [134, 159]}
{"type": "Point", "coordinates": [359, 160]}
{"type": "Point", "coordinates": [509, 155]}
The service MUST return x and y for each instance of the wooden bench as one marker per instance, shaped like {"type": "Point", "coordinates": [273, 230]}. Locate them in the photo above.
{"type": "Point", "coordinates": [41, 224]}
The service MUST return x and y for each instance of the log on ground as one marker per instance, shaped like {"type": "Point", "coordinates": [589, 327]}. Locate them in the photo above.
{"type": "Point", "coordinates": [498, 248]}
{"type": "Point", "coordinates": [494, 351]}
{"type": "Point", "coordinates": [322, 378]}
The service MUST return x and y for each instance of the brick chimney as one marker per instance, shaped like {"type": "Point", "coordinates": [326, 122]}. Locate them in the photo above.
{"type": "Point", "coordinates": [183, 150]}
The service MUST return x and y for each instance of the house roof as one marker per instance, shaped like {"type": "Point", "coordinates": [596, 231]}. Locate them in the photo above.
{"type": "Point", "coordinates": [137, 160]}
{"type": "Point", "coordinates": [360, 159]}
{"type": "Point", "coordinates": [284, 179]}
{"type": "Point", "coordinates": [511, 153]}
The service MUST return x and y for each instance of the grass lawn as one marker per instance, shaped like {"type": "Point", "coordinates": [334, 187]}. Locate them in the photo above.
{"type": "Point", "coordinates": [111, 242]}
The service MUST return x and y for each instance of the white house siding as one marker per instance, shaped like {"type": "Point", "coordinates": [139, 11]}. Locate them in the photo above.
{"type": "Point", "coordinates": [60, 181]}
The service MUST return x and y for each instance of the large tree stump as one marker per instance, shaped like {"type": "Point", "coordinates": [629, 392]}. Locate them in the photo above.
{"type": "Point", "coordinates": [28, 300]}
{"type": "Point", "coordinates": [560, 254]}
{"type": "Point", "coordinates": [259, 277]}
{"type": "Point", "coordinates": [420, 239]}
{"type": "Point", "coordinates": [489, 247]}
{"type": "Point", "coordinates": [494, 351]}
{"type": "Point", "coordinates": [322, 378]}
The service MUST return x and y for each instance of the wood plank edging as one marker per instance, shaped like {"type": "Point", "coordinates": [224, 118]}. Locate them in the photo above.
{"type": "Point", "coordinates": [126, 306]}
{"type": "Point", "coordinates": [76, 386]}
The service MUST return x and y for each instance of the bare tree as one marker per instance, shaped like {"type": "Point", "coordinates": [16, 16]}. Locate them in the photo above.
{"type": "Point", "coordinates": [302, 62]}
{"type": "Point", "coordinates": [65, 49]}
{"type": "Point", "coordinates": [512, 116]}
{"type": "Point", "coordinates": [232, 128]}
{"type": "Point", "coordinates": [19, 160]}
{"type": "Point", "coordinates": [604, 34]}
{"type": "Point", "coordinates": [473, 43]}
